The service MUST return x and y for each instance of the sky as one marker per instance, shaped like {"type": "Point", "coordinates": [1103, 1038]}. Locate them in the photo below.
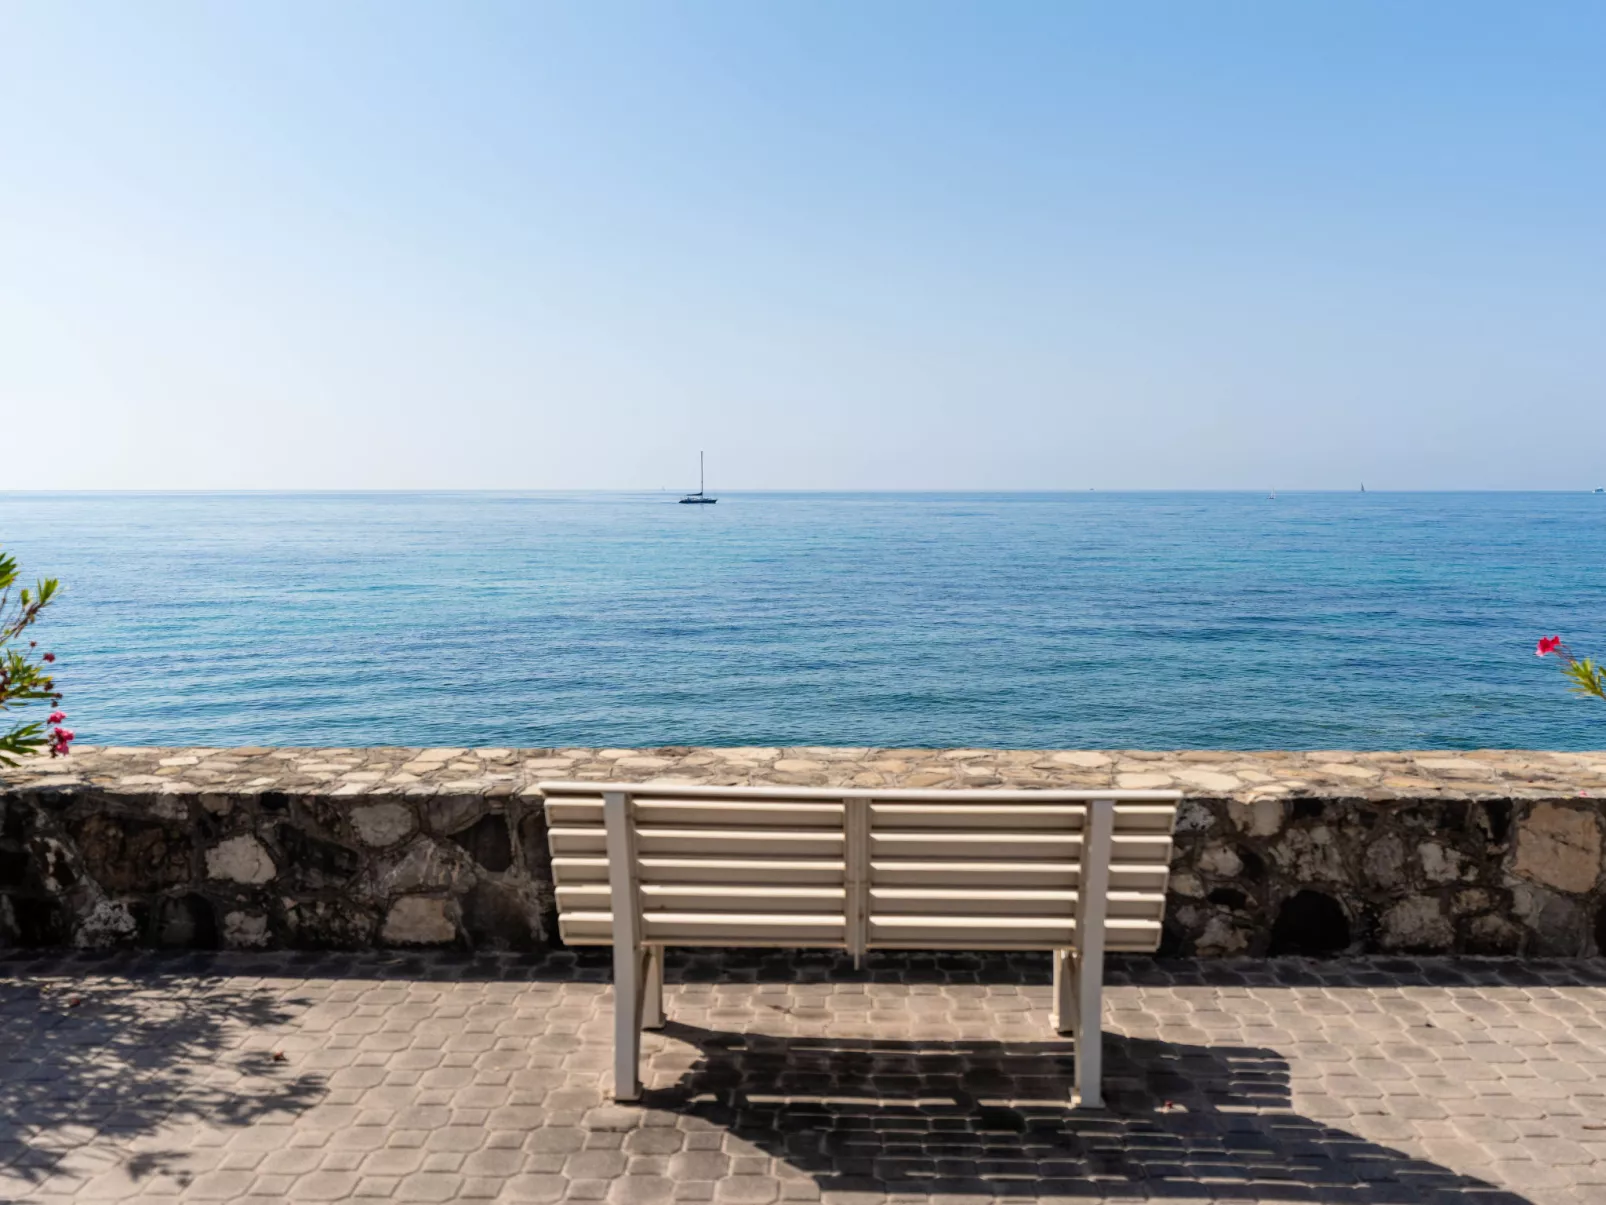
{"type": "Point", "coordinates": [866, 245]}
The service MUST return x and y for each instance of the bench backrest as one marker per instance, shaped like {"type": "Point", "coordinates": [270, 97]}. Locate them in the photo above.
{"type": "Point", "coordinates": [862, 869]}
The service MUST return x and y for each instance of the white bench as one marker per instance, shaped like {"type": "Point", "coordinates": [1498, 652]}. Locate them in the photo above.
{"type": "Point", "coordinates": [645, 866]}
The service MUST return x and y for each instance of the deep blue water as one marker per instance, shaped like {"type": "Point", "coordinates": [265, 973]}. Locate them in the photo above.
{"type": "Point", "coordinates": [1061, 620]}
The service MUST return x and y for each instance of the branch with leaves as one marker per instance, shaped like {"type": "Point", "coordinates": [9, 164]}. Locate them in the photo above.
{"type": "Point", "coordinates": [1588, 678]}
{"type": "Point", "coordinates": [25, 675]}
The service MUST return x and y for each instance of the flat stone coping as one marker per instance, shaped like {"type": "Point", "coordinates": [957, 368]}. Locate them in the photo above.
{"type": "Point", "coordinates": [1379, 777]}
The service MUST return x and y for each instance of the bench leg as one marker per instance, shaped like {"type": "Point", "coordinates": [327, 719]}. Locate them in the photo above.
{"type": "Point", "coordinates": [652, 990]}
{"type": "Point", "coordinates": [1089, 1032]}
{"type": "Point", "coordinates": [628, 974]}
{"type": "Point", "coordinates": [1063, 1016]}
{"type": "Point", "coordinates": [629, 959]}
{"type": "Point", "coordinates": [1092, 900]}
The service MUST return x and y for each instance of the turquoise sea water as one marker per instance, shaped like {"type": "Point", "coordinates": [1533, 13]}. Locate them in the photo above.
{"type": "Point", "coordinates": [1064, 620]}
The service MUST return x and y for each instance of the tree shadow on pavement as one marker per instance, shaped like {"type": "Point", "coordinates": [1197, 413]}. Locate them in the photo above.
{"type": "Point", "coordinates": [992, 1119]}
{"type": "Point", "coordinates": [87, 1058]}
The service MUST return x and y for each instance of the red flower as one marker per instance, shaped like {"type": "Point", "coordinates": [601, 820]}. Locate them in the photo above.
{"type": "Point", "coordinates": [56, 717]}
{"type": "Point", "coordinates": [1547, 645]}
{"type": "Point", "coordinates": [64, 735]}
{"type": "Point", "coordinates": [50, 656]}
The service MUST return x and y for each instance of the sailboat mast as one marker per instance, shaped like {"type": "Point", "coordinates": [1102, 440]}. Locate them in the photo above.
{"type": "Point", "coordinates": [700, 472]}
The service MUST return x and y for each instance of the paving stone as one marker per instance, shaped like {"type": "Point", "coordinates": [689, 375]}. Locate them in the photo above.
{"type": "Point", "coordinates": [324, 1186]}
{"type": "Point", "coordinates": [595, 1165]}
{"type": "Point", "coordinates": [535, 1188]}
{"type": "Point", "coordinates": [639, 1190]}
{"type": "Point", "coordinates": [429, 1186]}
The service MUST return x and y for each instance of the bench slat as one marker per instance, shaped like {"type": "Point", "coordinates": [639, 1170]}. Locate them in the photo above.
{"type": "Point", "coordinates": [1125, 876]}
{"type": "Point", "coordinates": [1065, 817]}
{"type": "Point", "coordinates": [701, 813]}
{"type": "Point", "coordinates": [740, 875]}
{"type": "Point", "coordinates": [758, 899]}
{"type": "Point", "coordinates": [717, 928]}
{"type": "Point", "coordinates": [553, 789]}
{"type": "Point", "coordinates": [727, 871]}
{"type": "Point", "coordinates": [887, 926]}
{"type": "Point", "coordinates": [694, 898]}
{"type": "Point", "coordinates": [884, 901]}
{"type": "Point", "coordinates": [922, 844]}
{"type": "Point", "coordinates": [885, 846]}
{"type": "Point", "coordinates": [593, 928]}
{"type": "Point", "coordinates": [752, 842]}
{"type": "Point", "coordinates": [971, 817]}
{"type": "Point", "coordinates": [1133, 941]}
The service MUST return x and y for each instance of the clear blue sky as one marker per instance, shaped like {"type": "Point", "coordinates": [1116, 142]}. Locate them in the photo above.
{"type": "Point", "coordinates": [838, 245]}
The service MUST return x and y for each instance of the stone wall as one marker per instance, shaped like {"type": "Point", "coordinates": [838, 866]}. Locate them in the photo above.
{"type": "Point", "coordinates": [1306, 853]}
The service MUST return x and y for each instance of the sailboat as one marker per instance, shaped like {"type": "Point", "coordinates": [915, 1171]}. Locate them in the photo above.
{"type": "Point", "coordinates": [700, 498]}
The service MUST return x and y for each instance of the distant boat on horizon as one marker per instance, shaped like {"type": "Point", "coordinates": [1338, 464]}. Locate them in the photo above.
{"type": "Point", "coordinates": [1600, 489]}
{"type": "Point", "coordinates": [700, 498]}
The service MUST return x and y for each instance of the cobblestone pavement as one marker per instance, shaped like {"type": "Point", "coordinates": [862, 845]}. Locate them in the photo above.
{"type": "Point", "coordinates": [786, 1077]}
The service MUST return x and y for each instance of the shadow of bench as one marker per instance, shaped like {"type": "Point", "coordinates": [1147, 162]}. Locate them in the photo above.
{"type": "Point", "coordinates": [993, 1118]}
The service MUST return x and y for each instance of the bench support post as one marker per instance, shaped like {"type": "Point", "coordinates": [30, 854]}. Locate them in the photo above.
{"type": "Point", "coordinates": [652, 990]}
{"type": "Point", "coordinates": [856, 877]}
{"type": "Point", "coordinates": [630, 963]}
{"type": "Point", "coordinates": [1091, 901]}
{"type": "Point", "coordinates": [1063, 1016]}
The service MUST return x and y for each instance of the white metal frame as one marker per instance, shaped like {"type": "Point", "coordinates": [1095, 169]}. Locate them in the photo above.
{"type": "Point", "coordinates": [1078, 971]}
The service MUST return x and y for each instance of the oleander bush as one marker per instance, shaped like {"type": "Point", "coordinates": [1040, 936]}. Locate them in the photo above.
{"type": "Point", "coordinates": [1588, 678]}
{"type": "Point", "coordinates": [25, 674]}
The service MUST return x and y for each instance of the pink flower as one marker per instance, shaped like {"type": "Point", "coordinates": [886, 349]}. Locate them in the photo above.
{"type": "Point", "coordinates": [1547, 645]}
{"type": "Point", "coordinates": [50, 656]}
{"type": "Point", "coordinates": [64, 735]}
{"type": "Point", "coordinates": [56, 717]}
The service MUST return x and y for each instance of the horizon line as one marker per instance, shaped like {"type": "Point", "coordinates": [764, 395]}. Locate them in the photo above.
{"type": "Point", "coordinates": [523, 490]}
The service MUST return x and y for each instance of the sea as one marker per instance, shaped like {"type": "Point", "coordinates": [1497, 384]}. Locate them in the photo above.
{"type": "Point", "coordinates": [1059, 620]}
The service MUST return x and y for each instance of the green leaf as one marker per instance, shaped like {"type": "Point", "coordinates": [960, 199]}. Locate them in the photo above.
{"type": "Point", "coordinates": [1590, 678]}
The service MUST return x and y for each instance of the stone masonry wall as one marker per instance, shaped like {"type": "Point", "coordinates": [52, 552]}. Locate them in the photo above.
{"type": "Point", "coordinates": [1490, 852]}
